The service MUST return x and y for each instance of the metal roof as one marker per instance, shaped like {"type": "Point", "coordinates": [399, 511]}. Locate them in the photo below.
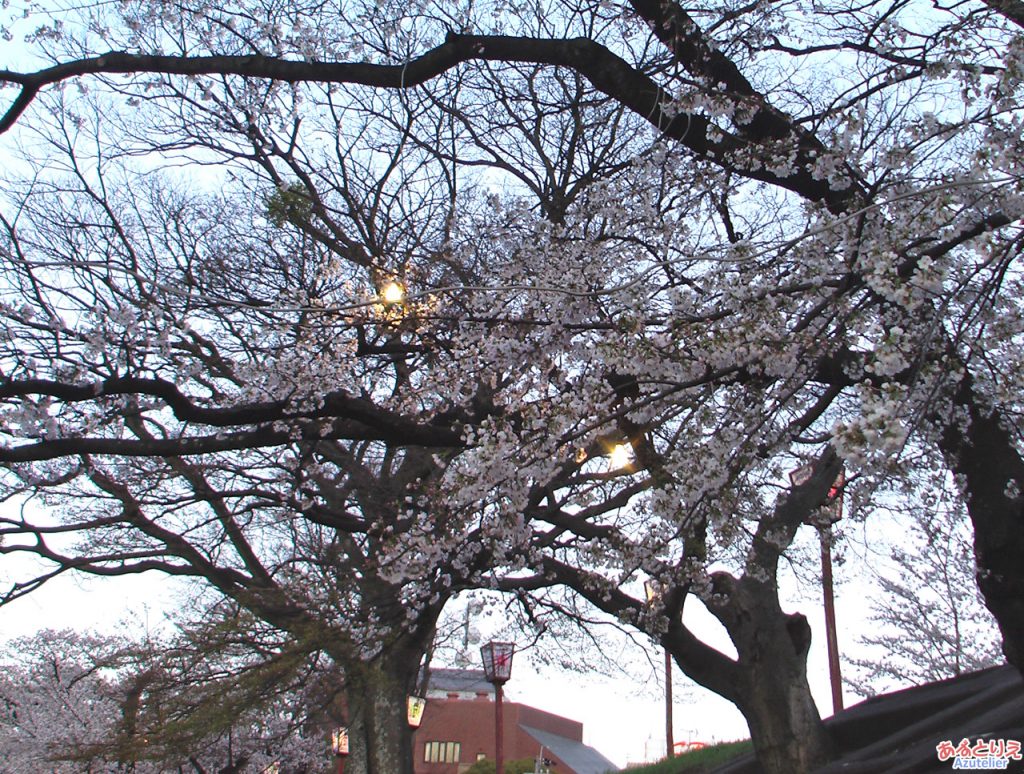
{"type": "Point", "coordinates": [578, 756]}
{"type": "Point", "coordinates": [459, 681]}
{"type": "Point", "coordinates": [898, 732]}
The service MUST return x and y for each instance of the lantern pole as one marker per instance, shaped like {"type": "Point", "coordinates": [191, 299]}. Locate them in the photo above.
{"type": "Point", "coordinates": [497, 658]}
{"type": "Point", "coordinates": [339, 746]}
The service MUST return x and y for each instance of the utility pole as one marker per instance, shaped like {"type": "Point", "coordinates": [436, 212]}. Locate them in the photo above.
{"type": "Point", "coordinates": [670, 746]}
{"type": "Point", "coordinates": [829, 514]}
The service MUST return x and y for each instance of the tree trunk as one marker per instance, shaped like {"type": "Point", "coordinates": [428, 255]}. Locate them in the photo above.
{"type": "Point", "coordinates": [773, 692]}
{"type": "Point", "coordinates": [785, 726]}
{"type": "Point", "coordinates": [379, 736]}
{"type": "Point", "coordinates": [980, 450]}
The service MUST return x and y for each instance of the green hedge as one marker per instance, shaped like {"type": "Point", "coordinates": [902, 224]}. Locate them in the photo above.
{"type": "Point", "coordinates": [486, 766]}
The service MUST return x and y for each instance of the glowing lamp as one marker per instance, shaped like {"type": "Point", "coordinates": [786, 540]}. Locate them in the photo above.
{"type": "Point", "coordinates": [392, 293]}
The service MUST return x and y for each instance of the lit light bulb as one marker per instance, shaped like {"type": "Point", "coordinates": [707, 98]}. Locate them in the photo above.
{"type": "Point", "coordinates": [392, 293]}
{"type": "Point", "coordinates": [620, 457]}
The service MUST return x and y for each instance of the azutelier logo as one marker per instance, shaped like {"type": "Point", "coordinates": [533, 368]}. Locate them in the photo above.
{"type": "Point", "coordinates": [983, 754]}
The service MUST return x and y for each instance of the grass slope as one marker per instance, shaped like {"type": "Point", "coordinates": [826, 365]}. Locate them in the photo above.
{"type": "Point", "coordinates": [696, 762]}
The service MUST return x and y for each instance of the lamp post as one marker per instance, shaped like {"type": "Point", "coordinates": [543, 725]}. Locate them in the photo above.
{"type": "Point", "coordinates": [339, 746]}
{"type": "Point", "coordinates": [497, 658]}
{"type": "Point", "coordinates": [670, 751]}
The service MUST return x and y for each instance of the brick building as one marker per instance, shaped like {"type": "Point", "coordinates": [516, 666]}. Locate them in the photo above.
{"type": "Point", "coordinates": [458, 729]}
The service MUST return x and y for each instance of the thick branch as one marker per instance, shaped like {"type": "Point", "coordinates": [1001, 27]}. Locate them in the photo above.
{"type": "Point", "coordinates": [339, 416]}
{"type": "Point", "coordinates": [1011, 9]}
{"type": "Point", "coordinates": [606, 71]}
{"type": "Point", "coordinates": [979, 448]}
{"type": "Point", "coordinates": [407, 433]}
{"type": "Point", "coordinates": [707, 666]}
{"type": "Point", "coordinates": [183, 407]}
{"type": "Point", "coordinates": [775, 533]}
{"type": "Point", "coordinates": [682, 35]}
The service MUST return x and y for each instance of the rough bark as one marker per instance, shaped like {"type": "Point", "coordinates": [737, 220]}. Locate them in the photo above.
{"type": "Point", "coordinates": [767, 681]}
{"type": "Point", "coordinates": [774, 694]}
{"type": "Point", "coordinates": [379, 735]}
{"type": "Point", "coordinates": [771, 646]}
{"type": "Point", "coordinates": [979, 448]}
{"type": "Point", "coordinates": [377, 694]}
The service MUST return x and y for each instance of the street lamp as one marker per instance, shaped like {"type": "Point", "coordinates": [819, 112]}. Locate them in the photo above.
{"type": "Point", "coordinates": [392, 293]}
{"type": "Point", "coordinates": [339, 746]}
{"type": "Point", "coordinates": [654, 593]}
{"type": "Point", "coordinates": [620, 457]}
{"type": "Point", "coordinates": [414, 711]}
{"type": "Point", "coordinates": [497, 658]}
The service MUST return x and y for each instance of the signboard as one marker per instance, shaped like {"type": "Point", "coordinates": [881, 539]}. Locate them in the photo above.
{"type": "Point", "coordinates": [832, 510]}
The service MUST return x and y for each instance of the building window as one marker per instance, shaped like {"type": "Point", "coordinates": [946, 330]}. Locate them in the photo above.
{"type": "Point", "coordinates": [442, 752]}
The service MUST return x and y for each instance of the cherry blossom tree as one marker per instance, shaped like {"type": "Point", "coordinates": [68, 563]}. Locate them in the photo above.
{"type": "Point", "coordinates": [729, 238]}
{"type": "Point", "coordinates": [74, 702]}
{"type": "Point", "coordinates": [931, 620]}
{"type": "Point", "coordinates": [321, 501]}
{"type": "Point", "coordinates": [56, 695]}
{"type": "Point", "coordinates": [248, 518]}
